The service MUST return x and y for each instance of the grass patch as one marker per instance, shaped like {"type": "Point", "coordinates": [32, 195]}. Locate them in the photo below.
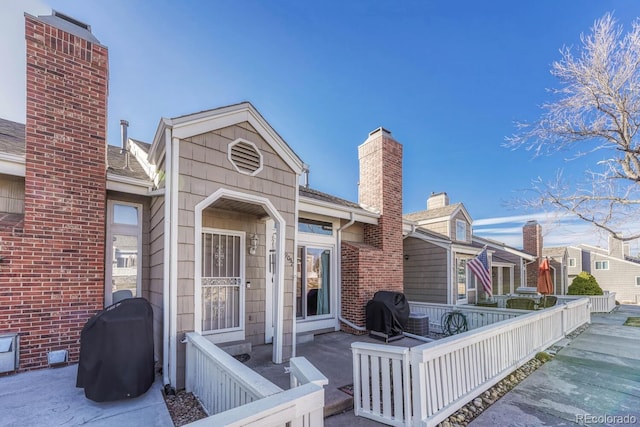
{"type": "Point", "coordinates": [543, 357]}
{"type": "Point", "coordinates": [633, 321]}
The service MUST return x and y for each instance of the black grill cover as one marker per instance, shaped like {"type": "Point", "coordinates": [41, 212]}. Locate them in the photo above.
{"type": "Point", "coordinates": [388, 312]}
{"type": "Point", "coordinates": [116, 352]}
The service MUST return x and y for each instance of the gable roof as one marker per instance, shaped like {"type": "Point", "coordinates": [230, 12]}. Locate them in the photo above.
{"type": "Point", "coordinates": [117, 161]}
{"type": "Point", "coordinates": [448, 211]}
{"type": "Point", "coordinates": [218, 118]}
{"type": "Point", "coordinates": [554, 252]}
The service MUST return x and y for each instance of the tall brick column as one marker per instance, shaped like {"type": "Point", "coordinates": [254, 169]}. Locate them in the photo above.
{"type": "Point", "coordinates": [377, 263]}
{"type": "Point", "coordinates": [532, 244]}
{"type": "Point", "coordinates": [53, 278]}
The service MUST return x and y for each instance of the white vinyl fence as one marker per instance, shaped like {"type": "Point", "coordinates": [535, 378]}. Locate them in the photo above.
{"type": "Point", "coordinates": [477, 317]}
{"type": "Point", "coordinates": [599, 303]}
{"type": "Point", "coordinates": [444, 375]}
{"type": "Point", "coordinates": [234, 395]}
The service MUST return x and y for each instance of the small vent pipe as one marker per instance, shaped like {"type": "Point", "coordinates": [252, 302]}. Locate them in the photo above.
{"type": "Point", "coordinates": [124, 125]}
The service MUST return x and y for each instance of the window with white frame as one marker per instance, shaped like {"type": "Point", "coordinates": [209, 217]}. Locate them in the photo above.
{"type": "Point", "coordinates": [602, 265]}
{"type": "Point", "coordinates": [461, 230]}
{"type": "Point", "coordinates": [638, 281]}
{"type": "Point", "coordinates": [572, 262]}
{"type": "Point", "coordinates": [124, 248]}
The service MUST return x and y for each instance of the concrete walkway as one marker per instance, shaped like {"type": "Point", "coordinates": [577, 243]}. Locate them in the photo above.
{"type": "Point", "coordinates": [49, 397]}
{"type": "Point", "coordinates": [592, 381]}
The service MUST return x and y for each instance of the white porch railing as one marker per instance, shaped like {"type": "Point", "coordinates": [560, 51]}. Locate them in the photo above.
{"type": "Point", "coordinates": [599, 303]}
{"type": "Point", "coordinates": [381, 383]}
{"type": "Point", "coordinates": [444, 375]}
{"type": "Point", "coordinates": [235, 395]}
{"type": "Point", "coordinates": [477, 317]}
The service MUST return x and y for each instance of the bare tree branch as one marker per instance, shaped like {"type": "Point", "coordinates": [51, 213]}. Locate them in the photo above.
{"type": "Point", "coordinates": [595, 108]}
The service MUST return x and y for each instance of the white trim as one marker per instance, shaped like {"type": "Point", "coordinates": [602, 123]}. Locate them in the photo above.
{"type": "Point", "coordinates": [502, 246]}
{"type": "Point", "coordinates": [121, 229]}
{"type": "Point", "coordinates": [173, 280]}
{"type": "Point", "coordinates": [445, 244]}
{"type": "Point", "coordinates": [166, 270]}
{"type": "Point", "coordinates": [12, 164]}
{"type": "Point", "coordinates": [269, 278]}
{"type": "Point", "coordinates": [323, 321]}
{"type": "Point", "coordinates": [128, 185]}
{"type": "Point", "coordinates": [207, 121]}
{"type": "Point", "coordinates": [280, 256]}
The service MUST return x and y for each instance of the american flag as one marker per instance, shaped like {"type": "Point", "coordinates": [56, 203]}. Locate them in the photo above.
{"type": "Point", "coordinates": [480, 267]}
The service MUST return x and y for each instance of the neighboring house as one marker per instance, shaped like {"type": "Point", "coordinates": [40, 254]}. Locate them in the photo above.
{"type": "Point", "coordinates": [558, 258]}
{"type": "Point", "coordinates": [532, 243]}
{"type": "Point", "coordinates": [207, 222]}
{"type": "Point", "coordinates": [437, 245]}
{"type": "Point", "coordinates": [614, 268]}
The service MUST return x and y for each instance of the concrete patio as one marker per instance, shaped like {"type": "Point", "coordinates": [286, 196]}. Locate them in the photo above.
{"type": "Point", "coordinates": [49, 397]}
{"type": "Point", "coordinates": [331, 354]}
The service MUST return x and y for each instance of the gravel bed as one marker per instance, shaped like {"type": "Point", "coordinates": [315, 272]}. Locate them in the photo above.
{"type": "Point", "coordinates": [184, 408]}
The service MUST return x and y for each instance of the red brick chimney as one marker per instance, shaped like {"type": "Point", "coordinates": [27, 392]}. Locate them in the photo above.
{"type": "Point", "coordinates": [377, 264]}
{"type": "Point", "coordinates": [532, 244]}
{"type": "Point", "coordinates": [53, 280]}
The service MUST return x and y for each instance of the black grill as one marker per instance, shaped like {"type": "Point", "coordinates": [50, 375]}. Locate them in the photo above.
{"type": "Point", "coordinates": [116, 352]}
{"type": "Point", "coordinates": [387, 315]}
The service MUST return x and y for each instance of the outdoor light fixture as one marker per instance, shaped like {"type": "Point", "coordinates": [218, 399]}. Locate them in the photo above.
{"type": "Point", "coordinates": [253, 244]}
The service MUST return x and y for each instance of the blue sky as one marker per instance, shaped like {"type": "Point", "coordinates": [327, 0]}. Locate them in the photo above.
{"type": "Point", "coordinates": [447, 78]}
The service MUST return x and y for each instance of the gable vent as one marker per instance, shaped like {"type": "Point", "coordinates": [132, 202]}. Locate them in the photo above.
{"type": "Point", "coordinates": [245, 157]}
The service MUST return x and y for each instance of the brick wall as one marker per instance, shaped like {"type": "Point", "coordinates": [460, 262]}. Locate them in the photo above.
{"type": "Point", "coordinates": [532, 243]}
{"type": "Point", "coordinates": [377, 263]}
{"type": "Point", "coordinates": [53, 276]}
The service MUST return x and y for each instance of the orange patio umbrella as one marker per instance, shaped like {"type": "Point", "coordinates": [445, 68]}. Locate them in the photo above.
{"type": "Point", "coordinates": [545, 285]}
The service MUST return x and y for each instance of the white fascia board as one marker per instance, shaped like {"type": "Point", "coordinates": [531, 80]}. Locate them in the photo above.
{"type": "Point", "coordinates": [199, 123]}
{"type": "Point", "coordinates": [502, 264]}
{"type": "Point", "coordinates": [438, 242]}
{"type": "Point", "coordinates": [310, 205]}
{"type": "Point", "coordinates": [11, 164]}
{"type": "Point", "coordinates": [462, 209]}
{"type": "Point", "coordinates": [465, 250]}
{"type": "Point", "coordinates": [505, 248]}
{"type": "Point", "coordinates": [142, 158]}
{"type": "Point", "coordinates": [128, 185]}
{"type": "Point", "coordinates": [158, 146]}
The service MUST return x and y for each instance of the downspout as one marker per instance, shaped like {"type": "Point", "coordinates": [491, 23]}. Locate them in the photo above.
{"type": "Point", "coordinates": [166, 311]}
{"type": "Point", "coordinates": [173, 283]}
{"type": "Point", "coordinates": [352, 220]}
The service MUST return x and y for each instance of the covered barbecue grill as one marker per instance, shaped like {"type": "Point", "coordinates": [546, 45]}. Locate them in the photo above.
{"type": "Point", "coordinates": [116, 352]}
{"type": "Point", "coordinates": [387, 315]}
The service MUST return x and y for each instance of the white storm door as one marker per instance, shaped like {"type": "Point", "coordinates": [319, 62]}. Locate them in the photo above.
{"type": "Point", "coordinates": [222, 284]}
